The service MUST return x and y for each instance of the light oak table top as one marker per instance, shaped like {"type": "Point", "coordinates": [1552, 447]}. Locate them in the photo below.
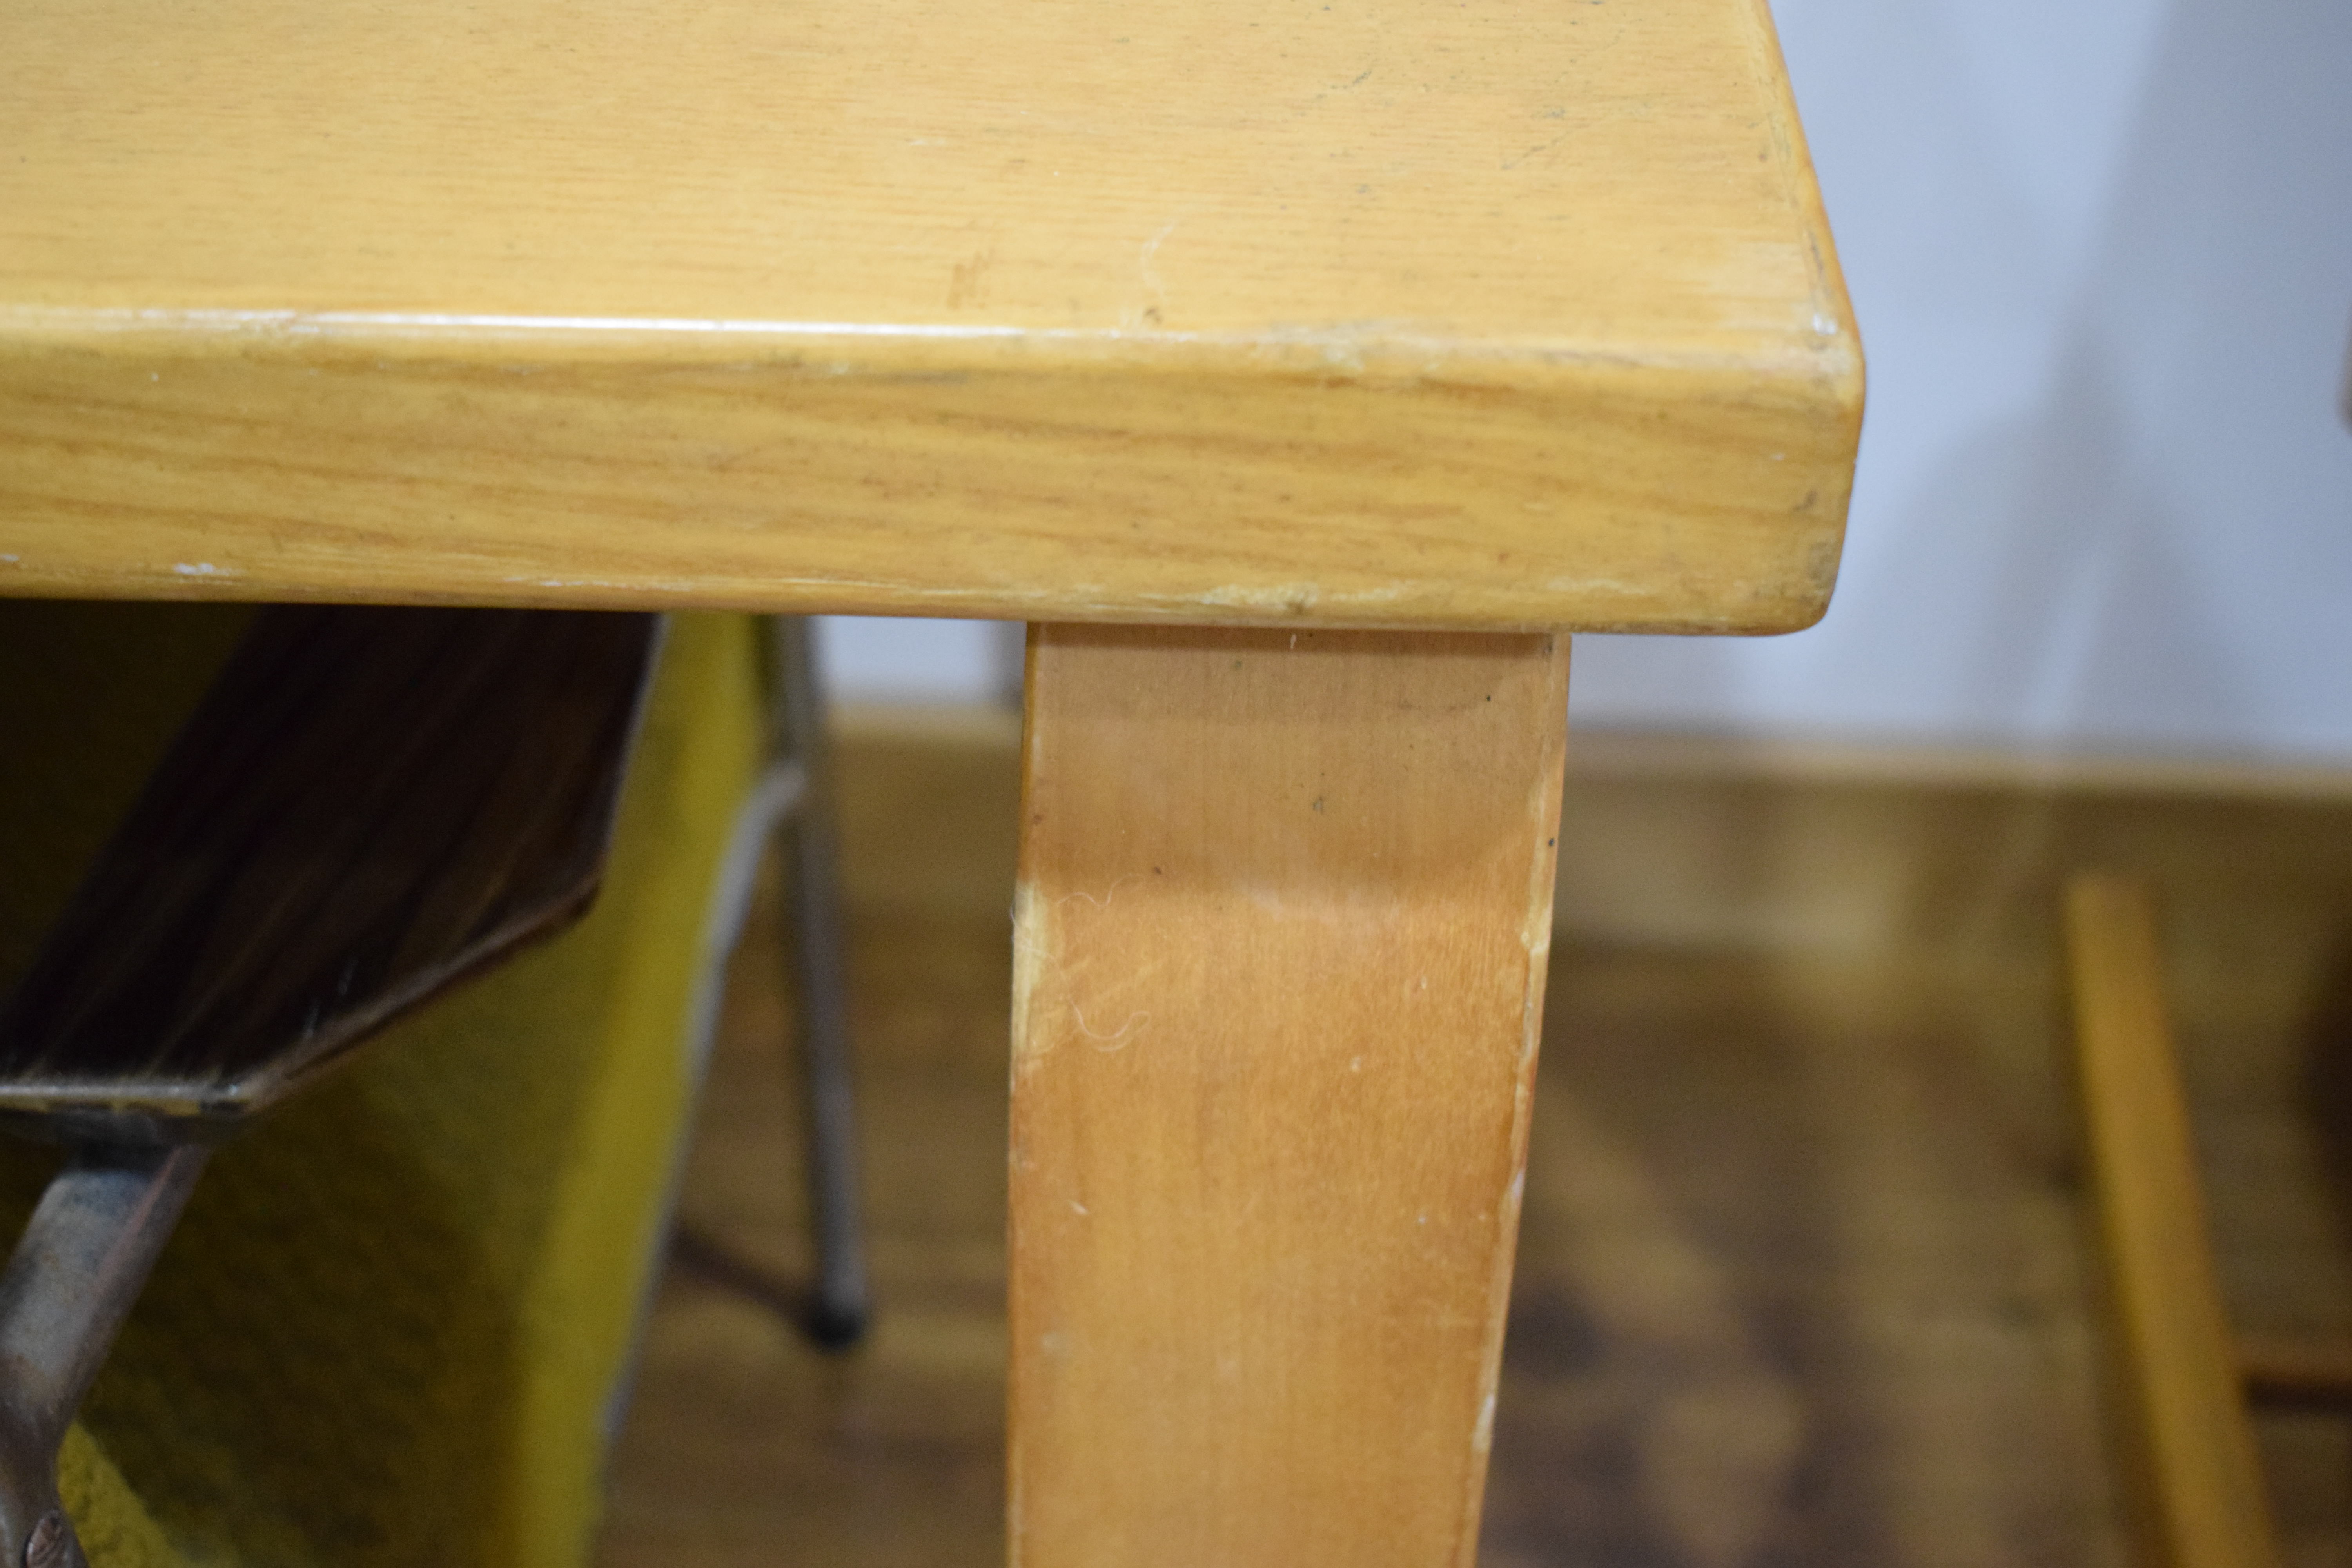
{"type": "Point", "coordinates": [1410, 314]}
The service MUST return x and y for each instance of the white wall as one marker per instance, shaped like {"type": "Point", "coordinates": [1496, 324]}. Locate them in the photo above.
{"type": "Point", "coordinates": [868, 659]}
{"type": "Point", "coordinates": [2102, 257]}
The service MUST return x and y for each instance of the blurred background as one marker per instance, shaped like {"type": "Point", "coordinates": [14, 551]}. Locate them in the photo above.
{"type": "Point", "coordinates": [2102, 257]}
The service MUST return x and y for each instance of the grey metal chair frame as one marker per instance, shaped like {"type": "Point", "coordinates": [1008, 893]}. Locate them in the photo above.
{"type": "Point", "coordinates": [104, 1219]}
{"type": "Point", "coordinates": [841, 1304]}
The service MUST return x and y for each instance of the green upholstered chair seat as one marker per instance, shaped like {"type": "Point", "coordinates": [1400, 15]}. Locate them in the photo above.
{"type": "Point", "coordinates": [396, 1324]}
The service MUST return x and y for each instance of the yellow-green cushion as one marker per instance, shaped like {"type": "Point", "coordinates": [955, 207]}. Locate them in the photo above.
{"type": "Point", "coordinates": [395, 1325]}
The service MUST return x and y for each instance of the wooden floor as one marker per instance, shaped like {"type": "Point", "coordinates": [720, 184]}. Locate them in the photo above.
{"type": "Point", "coordinates": [1804, 1277]}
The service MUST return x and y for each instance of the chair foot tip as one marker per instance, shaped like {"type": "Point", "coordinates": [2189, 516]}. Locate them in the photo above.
{"type": "Point", "coordinates": [833, 1327]}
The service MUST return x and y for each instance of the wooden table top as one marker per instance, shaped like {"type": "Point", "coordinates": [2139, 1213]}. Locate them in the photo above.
{"type": "Point", "coordinates": [1380, 312]}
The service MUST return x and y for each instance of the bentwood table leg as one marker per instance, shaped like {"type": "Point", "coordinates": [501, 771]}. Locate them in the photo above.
{"type": "Point", "coordinates": [1284, 909]}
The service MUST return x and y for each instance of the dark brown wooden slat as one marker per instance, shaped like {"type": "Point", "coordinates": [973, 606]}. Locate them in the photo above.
{"type": "Point", "coordinates": [368, 806]}
{"type": "Point", "coordinates": [2288, 1372]}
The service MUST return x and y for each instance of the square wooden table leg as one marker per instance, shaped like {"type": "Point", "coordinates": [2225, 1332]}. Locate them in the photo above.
{"type": "Point", "coordinates": [1284, 910]}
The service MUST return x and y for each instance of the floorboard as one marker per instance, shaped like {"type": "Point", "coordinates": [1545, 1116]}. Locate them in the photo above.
{"type": "Point", "coordinates": [1804, 1276]}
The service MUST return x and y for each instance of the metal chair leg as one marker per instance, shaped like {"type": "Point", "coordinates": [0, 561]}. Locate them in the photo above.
{"type": "Point", "coordinates": [368, 807]}
{"type": "Point", "coordinates": [841, 1307]}
{"type": "Point", "coordinates": [69, 1284]}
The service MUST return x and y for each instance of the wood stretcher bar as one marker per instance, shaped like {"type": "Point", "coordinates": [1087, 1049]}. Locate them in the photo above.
{"type": "Point", "coordinates": [2186, 1432]}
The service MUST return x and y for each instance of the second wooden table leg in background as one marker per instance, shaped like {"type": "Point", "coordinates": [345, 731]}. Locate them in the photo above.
{"type": "Point", "coordinates": [1284, 911]}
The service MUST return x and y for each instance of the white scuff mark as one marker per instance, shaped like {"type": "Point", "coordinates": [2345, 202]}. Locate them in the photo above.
{"type": "Point", "coordinates": [1032, 956]}
{"type": "Point", "coordinates": [1534, 931]}
{"type": "Point", "coordinates": [1600, 585]}
{"type": "Point", "coordinates": [1296, 597]}
{"type": "Point", "coordinates": [1116, 1039]}
{"type": "Point", "coordinates": [1101, 903]}
{"type": "Point", "coordinates": [1028, 963]}
{"type": "Point", "coordinates": [200, 569]}
{"type": "Point", "coordinates": [1340, 344]}
{"type": "Point", "coordinates": [1158, 309]}
{"type": "Point", "coordinates": [332, 323]}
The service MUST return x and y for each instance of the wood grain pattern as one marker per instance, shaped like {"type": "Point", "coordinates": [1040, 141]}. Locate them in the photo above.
{"type": "Point", "coordinates": [2185, 1416]}
{"type": "Point", "coordinates": [1280, 933]}
{"type": "Point", "coordinates": [1393, 315]}
{"type": "Point", "coordinates": [369, 806]}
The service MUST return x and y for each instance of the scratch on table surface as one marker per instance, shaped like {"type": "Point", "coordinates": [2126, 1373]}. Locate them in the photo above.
{"type": "Point", "coordinates": [1155, 312]}
{"type": "Point", "coordinates": [1539, 150]}
{"type": "Point", "coordinates": [1296, 597]}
